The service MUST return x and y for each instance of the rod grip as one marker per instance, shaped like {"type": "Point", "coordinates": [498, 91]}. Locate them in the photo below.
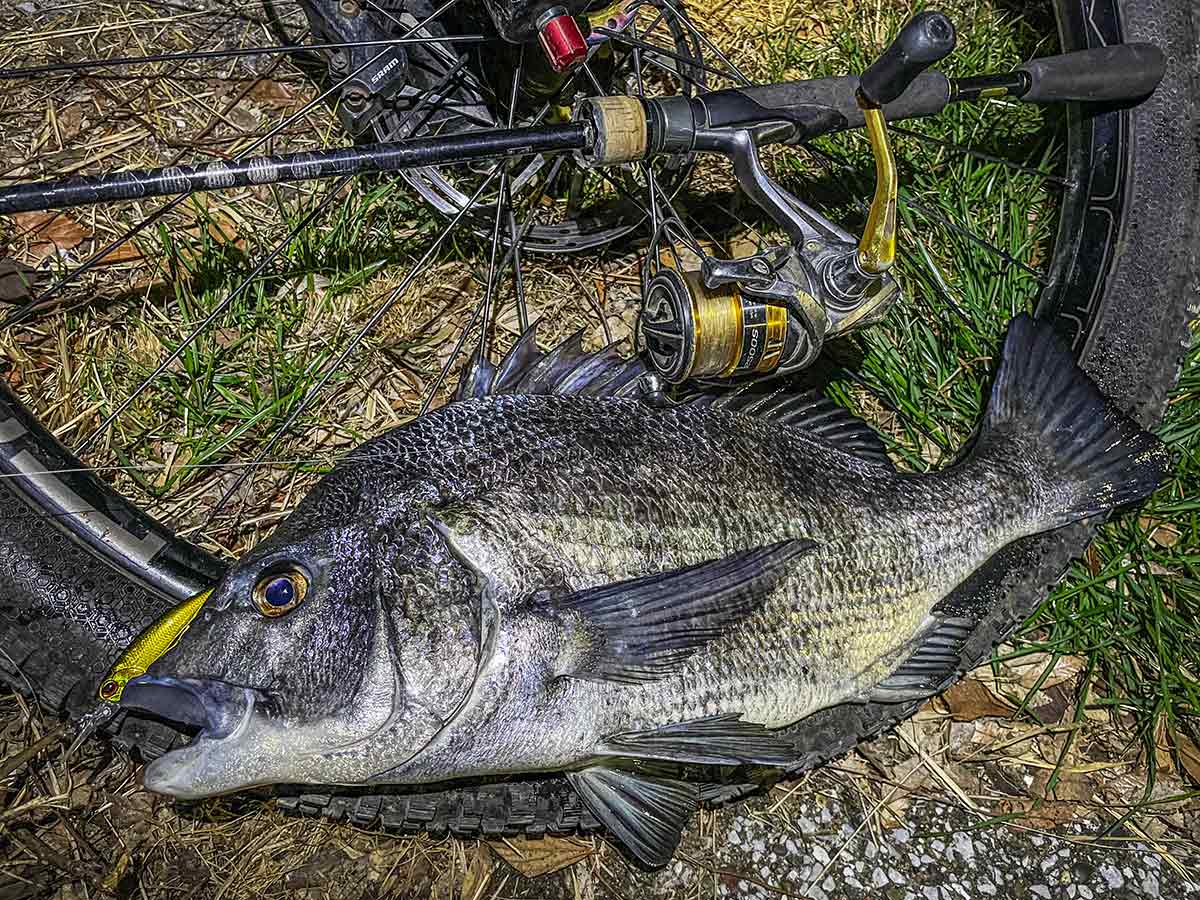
{"type": "Point", "coordinates": [926, 38]}
{"type": "Point", "coordinates": [1121, 72]}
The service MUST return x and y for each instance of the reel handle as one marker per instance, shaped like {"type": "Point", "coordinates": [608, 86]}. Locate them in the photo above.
{"type": "Point", "coordinates": [927, 38]}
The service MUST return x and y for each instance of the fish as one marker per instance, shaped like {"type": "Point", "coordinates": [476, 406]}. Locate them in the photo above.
{"type": "Point", "coordinates": [564, 570]}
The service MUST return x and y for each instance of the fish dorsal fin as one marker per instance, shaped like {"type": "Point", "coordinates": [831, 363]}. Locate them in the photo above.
{"type": "Point", "coordinates": [478, 377]}
{"type": "Point", "coordinates": [809, 410]}
{"type": "Point", "coordinates": [643, 628]}
{"type": "Point", "coordinates": [644, 813]}
{"type": "Point", "coordinates": [567, 369]}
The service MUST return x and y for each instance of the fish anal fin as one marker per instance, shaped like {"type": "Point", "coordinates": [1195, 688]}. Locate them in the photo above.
{"type": "Point", "coordinates": [932, 666]}
{"type": "Point", "coordinates": [717, 741]}
{"type": "Point", "coordinates": [643, 628]}
{"type": "Point", "coordinates": [646, 814]}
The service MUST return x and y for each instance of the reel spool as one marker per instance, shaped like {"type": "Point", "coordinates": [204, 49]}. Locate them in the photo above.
{"type": "Point", "coordinates": [692, 331]}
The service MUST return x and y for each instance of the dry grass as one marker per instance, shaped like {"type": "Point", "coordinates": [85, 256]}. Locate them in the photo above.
{"type": "Point", "coordinates": [82, 827]}
{"type": "Point", "coordinates": [86, 826]}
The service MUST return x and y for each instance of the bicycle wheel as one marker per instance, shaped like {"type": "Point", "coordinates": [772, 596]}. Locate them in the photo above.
{"type": "Point", "coordinates": [84, 567]}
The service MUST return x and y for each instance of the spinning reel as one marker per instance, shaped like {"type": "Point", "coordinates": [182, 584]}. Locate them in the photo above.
{"type": "Point", "coordinates": [770, 312]}
{"type": "Point", "coordinates": [766, 313]}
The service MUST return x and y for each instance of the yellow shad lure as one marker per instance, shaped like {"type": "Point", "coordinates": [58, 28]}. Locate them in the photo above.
{"type": "Point", "coordinates": [147, 648]}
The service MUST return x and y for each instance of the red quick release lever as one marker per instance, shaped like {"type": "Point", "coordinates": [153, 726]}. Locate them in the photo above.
{"type": "Point", "coordinates": [561, 39]}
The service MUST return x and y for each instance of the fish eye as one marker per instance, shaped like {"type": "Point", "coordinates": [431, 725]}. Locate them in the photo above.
{"type": "Point", "coordinates": [280, 592]}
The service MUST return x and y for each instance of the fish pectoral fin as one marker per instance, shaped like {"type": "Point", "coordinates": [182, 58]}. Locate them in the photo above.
{"type": "Point", "coordinates": [716, 740]}
{"type": "Point", "coordinates": [641, 629]}
{"type": "Point", "coordinates": [644, 813]}
{"type": "Point", "coordinates": [933, 664]}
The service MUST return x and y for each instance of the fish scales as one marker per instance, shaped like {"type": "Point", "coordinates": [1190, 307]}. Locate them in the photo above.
{"type": "Point", "coordinates": [817, 639]}
{"type": "Point", "coordinates": [580, 513]}
{"type": "Point", "coordinates": [552, 575]}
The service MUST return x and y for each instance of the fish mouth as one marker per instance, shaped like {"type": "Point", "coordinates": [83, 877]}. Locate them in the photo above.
{"type": "Point", "coordinates": [210, 708]}
{"type": "Point", "coordinates": [222, 716]}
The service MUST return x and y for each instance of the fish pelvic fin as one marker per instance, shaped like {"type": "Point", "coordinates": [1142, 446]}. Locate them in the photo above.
{"type": "Point", "coordinates": [1049, 423]}
{"type": "Point", "coordinates": [643, 628]}
{"type": "Point", "coordinates": [645, 813]}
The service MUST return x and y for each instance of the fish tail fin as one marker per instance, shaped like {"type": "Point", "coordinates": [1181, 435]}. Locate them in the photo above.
{"type": "Point", "coordinates": [1051, 425]}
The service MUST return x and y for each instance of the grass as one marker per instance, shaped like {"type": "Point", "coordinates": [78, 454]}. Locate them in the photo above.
{"type": "Point", "coordinates": [1131, 609]}
{"type": "Point", "coordinates": [1126, 618]}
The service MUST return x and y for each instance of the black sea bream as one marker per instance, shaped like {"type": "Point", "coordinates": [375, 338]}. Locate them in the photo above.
{"type": "Point", "coordinates": [555, 574]}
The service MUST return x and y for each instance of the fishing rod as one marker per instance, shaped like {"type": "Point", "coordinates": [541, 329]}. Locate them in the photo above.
{"type": "Point", "coordinates": [415, 153]}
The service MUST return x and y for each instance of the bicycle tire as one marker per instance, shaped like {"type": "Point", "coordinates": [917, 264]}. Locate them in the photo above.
{"type": "Point", "coordinates": [82, 569]}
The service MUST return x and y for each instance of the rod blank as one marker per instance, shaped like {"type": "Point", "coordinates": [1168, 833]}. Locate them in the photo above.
{"type": "Point", "coordinates": [222, 175]}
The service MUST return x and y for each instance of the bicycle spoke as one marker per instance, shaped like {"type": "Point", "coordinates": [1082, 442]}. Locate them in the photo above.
{"type": "Point", "coordinates": [506, 190]}
{"type": "Point", "coordinates": [696, 85]}
{"type": "Point", "coordinates": [444, 372]}
{"type": "Point", "coordinates": [623, 192]}
{"type": "Point", "coordinates": [532, 208]}
{"type": "Point", "coordinates": [659, 17]}
{"type": "Point", "coordinates": [492, 275]}
{"type": "Point", "coordinates": [675, 219]}
{"type": "Point", "coordinates": [212, 316]}
{"type": "Point", "coordinates": [920, 209]}
{"type": "Point", "coordinates": [587, 70]}
{"type": "Point", "coordinates": [234, 53]}
{"type": "Point", "coordinates": [380, 311]}
{"type": "Point", "coordinates": [38, 304]}
{"type": "Point", "coordinates": [662, 51]}
{"type": "Point", "coordinates": [181, 7]}
{"type": "Point", "coordinates": [646, 168]}
{"type": "Point", "coordinates": [518, 276]}
{"type": "Point", "coordinates": [974, 238]}
{"type": "Point", "coordinates": [1048, 177]}
{"type": "Point", "coordinates": [503, 213]}
{"type": "Point", "coordinates": [708, 44]}
{"type": "Point", "coordinates": [138, 98]}
{"type": "Point", "coordinates": [622, 67]}
{"type": "Point", "coordinates": [225, 302]}
{"type": "Point", "coordinates": [383, 11]}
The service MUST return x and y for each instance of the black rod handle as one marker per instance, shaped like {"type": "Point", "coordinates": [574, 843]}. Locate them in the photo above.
{"type": "Point", "coordinates": [1118, 73]}
{"type": "Point", "coordinates": [928, 37]}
